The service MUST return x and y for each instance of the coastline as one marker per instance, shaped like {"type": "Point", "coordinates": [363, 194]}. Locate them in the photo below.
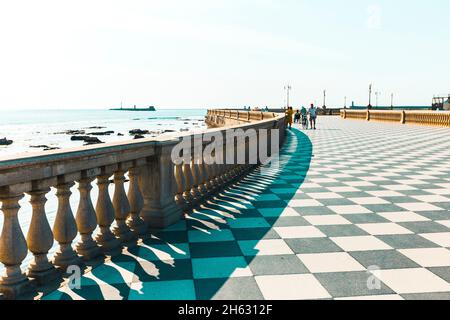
{"type": "Point", "coordinates": [46, 130]}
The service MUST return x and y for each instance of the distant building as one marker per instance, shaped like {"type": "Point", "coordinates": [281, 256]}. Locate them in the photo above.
{"type": "Point", "coordinates": [441, 103]}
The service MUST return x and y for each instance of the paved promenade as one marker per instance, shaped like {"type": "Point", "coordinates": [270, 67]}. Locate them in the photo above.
{"type": "Point", "coordinates": [355, 210]}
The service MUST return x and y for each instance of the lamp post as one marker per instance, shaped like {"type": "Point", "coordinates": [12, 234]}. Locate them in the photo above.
{"type": "Point", "coordinates": [345, 102]}
{"type": "Point", "coordinates": [392, 101]}
{"type": "Point", "coordinates": [288, 88]}
{"type": "Point", "coordinates": [324, 99]}
{"type": "Point", "coordinates": [370, 97]}
{"type": "Point", "coordinates": [377, 94]}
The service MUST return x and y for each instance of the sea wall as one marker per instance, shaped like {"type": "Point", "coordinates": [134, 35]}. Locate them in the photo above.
{"type": "Point", "coordinates": [159, 192]}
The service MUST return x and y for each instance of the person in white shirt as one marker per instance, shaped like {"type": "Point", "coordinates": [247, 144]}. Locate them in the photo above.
{"type": "Point", "coordinates": [312, 116]}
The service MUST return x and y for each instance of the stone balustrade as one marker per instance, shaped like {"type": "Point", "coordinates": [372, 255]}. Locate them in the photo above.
{"type": "Point", "coordinates": [158, 194]}
{"type": "Point", "coordinates": [431, 118]}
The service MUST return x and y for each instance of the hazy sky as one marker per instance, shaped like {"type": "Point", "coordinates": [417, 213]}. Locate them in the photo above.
{"type": "Point", "coordinates": [220, 53]}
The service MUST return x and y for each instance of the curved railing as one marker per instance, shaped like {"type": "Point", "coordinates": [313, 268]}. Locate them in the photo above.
{"type": "Point", "coordinates": [158, 193]}
{"type": "Point", "coordinates": [433, 118]}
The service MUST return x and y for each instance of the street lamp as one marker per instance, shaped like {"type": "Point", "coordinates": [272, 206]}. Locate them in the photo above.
{"type": "Point", "coordinates": [377, 94]}
{"type": "Point", "coordinates": [288, 88]}
{"type": "Point", "coordinates": [324, 99]}
{"type": "Point", "coordinates": [345, 102]}
{"type": "Point", "coordinates": [370, 97]}
{"type": "Point", "coordinates": [392, 101]}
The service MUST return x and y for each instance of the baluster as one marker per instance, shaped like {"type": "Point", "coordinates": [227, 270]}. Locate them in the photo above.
{"type": "Point", "coordinates": [180, 186]}
{"type": "Point", "coordinates": [121, 208]}
{"type": "Point", "coordinates": [210, 173]}
{"type": "Point", "coordinates": [196, 194]}
{"type": "Point", "coordinates": [105, 215]}
{"type": "Point", "coordinates": [188, 179]}
{"type": "Point", "coordinates": [86, 221]}
{"type": "Point", "coordinates": [13, 249]}
{"type": "Point", "coordinates": [136, 201]}
{"type": "Point", "coordinates": [201, 176]}
{"type": "Point", "coordinates": [65, 228]}
{"type": "Point", "coordinates": [40, 239]}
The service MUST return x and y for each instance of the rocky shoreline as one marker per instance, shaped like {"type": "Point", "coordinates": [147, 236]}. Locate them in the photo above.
{"type": "Point", "coordinates": [90, 135]}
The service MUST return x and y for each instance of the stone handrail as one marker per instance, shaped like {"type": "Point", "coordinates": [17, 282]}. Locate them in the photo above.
{"type": "Point", "coordinates": [159, 191]}
{"type": "Point", "coordinates": [219, 117]}
{"type": "Point", "coordinates": [432, 118]}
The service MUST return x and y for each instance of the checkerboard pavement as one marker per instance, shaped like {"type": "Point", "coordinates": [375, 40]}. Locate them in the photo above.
{"type": "Point", "coordinates": [355, 210]}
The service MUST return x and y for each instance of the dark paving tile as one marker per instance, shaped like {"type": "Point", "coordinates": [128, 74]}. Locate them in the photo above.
{"type": "Point", "coordinates": [217, 249]}
{"type": "Point", "coordinates": [165, 271]}
{"type": "Point", "coordinates": [270, 204]}
{"type": "Point", "coordinates": [365, 218]}
{"type": "Point", "coordinates": [400, 199]}
{"type": "Point", "coordinates": [358, 194]}
{"type": "Point", "coordinates": [427, 296]}
{"type": "Point", "coordinates": [407, 241]}
{"type": "Point", "coordinates": [287, 221]}
{"type": "Point", "coordinates": [314, 211]}
{"type": "Point", "coordinates": [312, 245]}
{"type": "Point", "coordinates": [165, 290]}
{"type": "Point", "coordinates": [384, 259]}
{"type": "Point", "coordinates": [342, 231]}
{"type": "Point", "coordinates": [436, 215]}
{"type": "Point", "coordinates": [300, 196]}
{"type": "Point", "coordinates": [168, 236]}
{"type": "Point", "coordinates": [276, 265]}
{"type": "Point", "coordinates": [443, 272]}
{"type": "Point", "coordinates": [388, 207]}
{"type": "Point", "coordinates": [255, 234]}
{"type": "Point", "coordinates": [350, 284]}
{"type": "Point", "coordinates": [416, 192]}
{"type": "Point", "coordinates": [336, 202]}
{"type": "Point", "coordinates": [244, 288]}
{"type": "Point", "coordinates": [424, 227]}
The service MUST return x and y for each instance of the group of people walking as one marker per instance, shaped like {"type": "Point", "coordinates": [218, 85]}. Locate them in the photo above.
{"type": "Point", "coordinates": [301, 116]}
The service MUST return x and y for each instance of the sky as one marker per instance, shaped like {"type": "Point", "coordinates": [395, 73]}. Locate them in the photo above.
{"type": "Point", "coordinates": [221, 53]}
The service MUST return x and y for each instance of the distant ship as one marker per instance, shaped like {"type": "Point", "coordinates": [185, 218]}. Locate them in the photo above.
{"type": "Point", "coordinates": [151, 108]}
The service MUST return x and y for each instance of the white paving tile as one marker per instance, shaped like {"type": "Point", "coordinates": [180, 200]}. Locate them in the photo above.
{"type": "Point", "coordinates": [302, 203]}
{"type": "Point", "coordinates": [299, 232]}
{"type": "Point", "coordinates": [432, 257]}
{"type": "Point", "coordinates": [350, 209]}
{"type": "Point", "coordinates": [368, 200]}
{"type": "Point", "coordinates": [360, 243]}
{"type": "Point", "coordinates": [291, 287]}
{"type": "Point", "coordinates": [419, 206]}
{"type": "Point", "coordinates": [404, 281]}
{"type": "Point", "coordinates": [324, 195]}
{"type": "Point", "coordinates": [431, 198]}
{"type": "Point", "coordinates": [377, 229]}
{"type": "Point", "coordinates": [403, 216]}
{"type": "Point", "coordinates": [442, 239]}
{"type": "Point", "coordinates": [327, 220]}
{"type": "Point", "coordinates": [330, 262]}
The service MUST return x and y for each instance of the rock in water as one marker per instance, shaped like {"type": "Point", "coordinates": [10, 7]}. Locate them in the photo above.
{"type": "Point", "coordinates": [138, 132]}
{"type": "Point", "coordinates": [5, 142]}
{"type": "Point", "coordinates": [104, 133]}
{"type": "Point", "coordinates": [138, 136]}
{"type": "Point", "coordinates": [88, 140]}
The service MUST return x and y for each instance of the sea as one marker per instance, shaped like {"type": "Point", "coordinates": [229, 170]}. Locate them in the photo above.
{"type": "Point", "coordinates": [28, 128]}
{"type": "Point", "coordinates": [34, 130]}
